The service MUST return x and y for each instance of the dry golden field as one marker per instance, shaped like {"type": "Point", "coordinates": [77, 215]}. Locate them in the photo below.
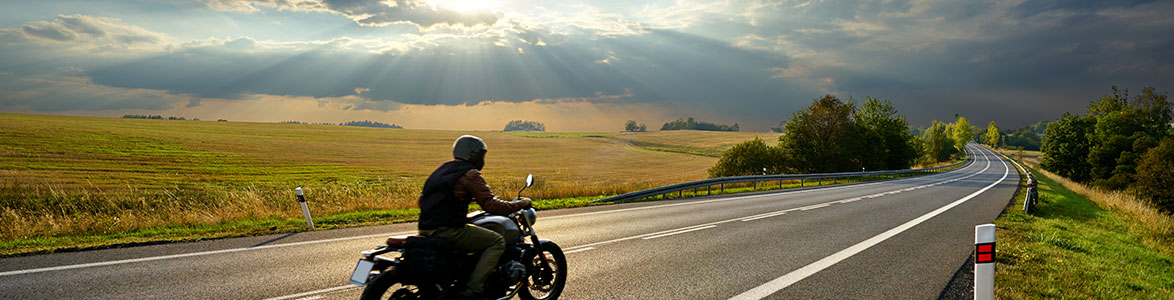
{"type": "Point", "coordinates": [81, 181]}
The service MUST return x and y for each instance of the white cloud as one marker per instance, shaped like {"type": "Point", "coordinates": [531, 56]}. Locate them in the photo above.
{"type": "Point", "coordinates": [88, 33]}
{"type": "Point", "coordinates": [371, 12]}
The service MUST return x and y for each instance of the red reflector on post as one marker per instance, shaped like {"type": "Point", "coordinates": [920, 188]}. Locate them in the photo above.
{"type": "Point", "coordinates": [984, 253]}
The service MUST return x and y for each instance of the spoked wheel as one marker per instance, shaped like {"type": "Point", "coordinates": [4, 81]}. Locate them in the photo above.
{"type": "Point", "coordinates": [548, 276]}
{"type": "Point", "coordinates": [387, 286]}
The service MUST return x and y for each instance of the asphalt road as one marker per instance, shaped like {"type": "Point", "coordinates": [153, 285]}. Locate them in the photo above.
{"type": "Point", "coordinates": [893, 239]}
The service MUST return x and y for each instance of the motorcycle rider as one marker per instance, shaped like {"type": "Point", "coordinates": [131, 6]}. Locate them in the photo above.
{"type": "Point", "coordinates": [445, 201]}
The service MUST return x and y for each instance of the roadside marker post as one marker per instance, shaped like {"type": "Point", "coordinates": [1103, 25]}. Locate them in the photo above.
{"type": "Point", "coordinates": [984, 262]}
{"type": "Point", "coordinates": [305, 209]}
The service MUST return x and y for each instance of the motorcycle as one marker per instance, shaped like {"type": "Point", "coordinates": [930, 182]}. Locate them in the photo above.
{"type": "Point", "coordinates": [427, 268]}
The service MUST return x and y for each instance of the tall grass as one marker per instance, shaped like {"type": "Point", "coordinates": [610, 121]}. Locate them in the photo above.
{"type": "Point", "coordinates": [1159, 227]}
{"type": "Point", "coordinates": [96, 180]}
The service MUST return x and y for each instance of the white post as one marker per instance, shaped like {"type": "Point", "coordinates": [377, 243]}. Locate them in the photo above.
{"type": "Point", "coordinates": [984, 262]}
{"type": "Point", "coordinates": [305, 209]}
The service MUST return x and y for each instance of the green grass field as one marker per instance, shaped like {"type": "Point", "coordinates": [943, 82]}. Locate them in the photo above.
{"type": "Point", "coordinates": [1072, 248]}
{"type": "Point", "coordinates": [70, 182]}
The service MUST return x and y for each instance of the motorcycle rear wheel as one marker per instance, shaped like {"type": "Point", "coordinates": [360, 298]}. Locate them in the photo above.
{"type": "Point", "coordinates": [388, 286]}
{"type": "Point", "coordinates": [549, 279]}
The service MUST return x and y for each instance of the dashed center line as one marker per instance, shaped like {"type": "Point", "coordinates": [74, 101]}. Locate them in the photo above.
{"type": "Point", "coordinates": [579, 250]}
{"type": "Point", "coordinates": [679, 232]}
{"type": "Point", "coordinates": [816, 206]}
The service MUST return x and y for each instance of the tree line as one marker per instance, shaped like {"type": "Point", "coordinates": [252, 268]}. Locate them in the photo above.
{"type": "Point", "coordinates": [363, 123]}
{"type": "Point", "coordinates": [1122, 143]}
{"type": "Point", "coordinates": [691, 124]}
{"type": "Point", "coordinates": [155, 117]}
{"type": "Point", "coordinates": [833, 135]}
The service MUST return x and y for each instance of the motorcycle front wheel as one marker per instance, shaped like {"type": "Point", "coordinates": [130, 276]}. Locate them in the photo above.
{"type": "Point", "coordinates": [549, 276]}
{"type": "Point", "coordinates": [388, 286]}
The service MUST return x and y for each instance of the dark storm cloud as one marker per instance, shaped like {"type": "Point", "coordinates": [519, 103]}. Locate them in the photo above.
{"type": "Point", "coordinates": [1013, 63]}
{"type": "Point", "coordinates": [661, 66]}
{"type": "Point", "coordinates": [1016, 64]}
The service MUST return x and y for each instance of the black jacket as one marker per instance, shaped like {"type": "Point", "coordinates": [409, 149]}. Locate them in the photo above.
{"type": "Point", "coordinates": [439, 207]}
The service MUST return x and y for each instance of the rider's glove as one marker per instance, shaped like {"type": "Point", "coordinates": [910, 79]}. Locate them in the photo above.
{"type": "Point", "coordinates": [527, 203]}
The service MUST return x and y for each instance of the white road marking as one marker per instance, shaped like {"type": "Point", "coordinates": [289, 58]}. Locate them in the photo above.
{"type": "Point", "coordinates": [754, 196]}
{"type": "Point", "coordinates": [784, 281]}
{"type": "Point", "coordinates": [816, 206]}
{"type": "Point", "coordinates": [664, 233]}
{"type": "Point", "coordinates": [154, 258]}
{"type": "Point", "coordinates": [718, 222]}
{"type": "Point", "coordinates": [579, 250]}
{"type": "Point", "coordinates": [764, 216]}
{"type": "Point", "coordinates": [311, 293]}
{"type": "Point", "coordinates": [679, 232]}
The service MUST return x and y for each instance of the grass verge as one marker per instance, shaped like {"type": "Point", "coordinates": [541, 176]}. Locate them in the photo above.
{"type": "Point", "coordinates": [1073, 248]}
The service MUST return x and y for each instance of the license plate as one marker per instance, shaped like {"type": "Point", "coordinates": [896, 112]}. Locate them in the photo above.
{"type": "Point", "coordinates": [362, 272]}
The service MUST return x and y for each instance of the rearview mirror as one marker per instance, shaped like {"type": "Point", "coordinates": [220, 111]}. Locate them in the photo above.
{"type": "Point", "coordinates": [529, 180]}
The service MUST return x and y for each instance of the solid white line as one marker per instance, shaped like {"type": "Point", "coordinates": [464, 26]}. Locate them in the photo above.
{"type": "Point", "coordinates": [310, 293]}
{"type": "Point", "coordinates": [784, 281]}
{"type": "Point", "coordinates": [579, 250]}
{"type": "Point", "coordinates": [721, 221]}
{"type": "Point", "coordinates": [154, 258]}
{"type": "Point", "coordinates": [679, 232]}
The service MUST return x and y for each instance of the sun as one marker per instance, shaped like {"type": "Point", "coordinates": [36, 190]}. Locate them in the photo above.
{"type": "Point", "coordinates": [466, 6]}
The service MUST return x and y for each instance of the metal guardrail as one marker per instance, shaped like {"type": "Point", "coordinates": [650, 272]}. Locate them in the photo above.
{"type": "Point", "coordinates": [1032, 194]}
{"type": "Point", "coordinates": [708, 184]}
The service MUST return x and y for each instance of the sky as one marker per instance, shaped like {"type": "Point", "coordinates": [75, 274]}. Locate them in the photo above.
{"type": "Point", "coordinates": [575, 65]}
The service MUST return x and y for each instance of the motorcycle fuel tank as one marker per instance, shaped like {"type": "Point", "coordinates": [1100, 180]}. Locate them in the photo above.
{"type": "Point", "coordinates": [502, 225]}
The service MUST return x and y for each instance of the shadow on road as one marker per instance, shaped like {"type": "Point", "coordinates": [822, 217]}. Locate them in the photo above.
{"type": "Point", "coordinates": [274, 240]}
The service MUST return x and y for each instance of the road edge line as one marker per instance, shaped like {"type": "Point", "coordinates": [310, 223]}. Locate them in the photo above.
{"type": "Point", "coordinates": [773, 286]}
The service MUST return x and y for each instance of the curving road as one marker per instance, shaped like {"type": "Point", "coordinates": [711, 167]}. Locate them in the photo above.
{"type": "Point", "coordinates": [901, 238]}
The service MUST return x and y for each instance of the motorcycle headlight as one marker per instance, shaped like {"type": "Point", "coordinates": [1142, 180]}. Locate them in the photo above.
{"type": "Point", "coordinates": [530, 215]}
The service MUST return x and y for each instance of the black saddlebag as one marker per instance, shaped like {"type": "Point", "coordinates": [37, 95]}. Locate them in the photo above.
{"type": "Point", "coordinates": [424, 259]}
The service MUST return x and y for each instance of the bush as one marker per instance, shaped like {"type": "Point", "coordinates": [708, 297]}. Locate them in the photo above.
{"type": "Point", "coordinates": [748, 158]}
{"type": "Point", "coordinates": [631, 126]}
{"type": "Point", "coordinates": [519, 125]}
{"type": "Point", "coordinates": [1155, 175]}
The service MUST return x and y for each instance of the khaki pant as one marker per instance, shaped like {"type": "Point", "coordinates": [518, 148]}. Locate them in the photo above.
{"type": "Point", "coordinates": [474, 238]}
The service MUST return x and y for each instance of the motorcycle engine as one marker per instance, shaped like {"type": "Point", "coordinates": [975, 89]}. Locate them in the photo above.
{"type": "Point", "coordinates": [513, 271]}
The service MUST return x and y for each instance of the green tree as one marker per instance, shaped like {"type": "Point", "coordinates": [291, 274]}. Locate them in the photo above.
{"type": "Point", "coordinates": [1066, 146]}
{"type": "Point", "coordinates": [823, 137]}
{"type": "Point", "coordinates": [633, 127]}
{"type": "Point", "coordinates": [1155, 175]}
{"type": "Point", "coordinates": [886, 135]}
{"type": "Point", "coordinates": [1125, 129]}
{"type": "Point", "coordinates": [963, 132]}
{"type": "Point", "coordinates": [519, 125]}
{"type": "Point", "coordinates": [937, 143]}
{"type": "Point", "coordinates": [992, 135]}
{"type": "Point", "coordinates": [749, 158]}
{"type": "Point", "coordinates": [691, 124]}
{"type": "Point", "coordinates": [1024, 138]}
